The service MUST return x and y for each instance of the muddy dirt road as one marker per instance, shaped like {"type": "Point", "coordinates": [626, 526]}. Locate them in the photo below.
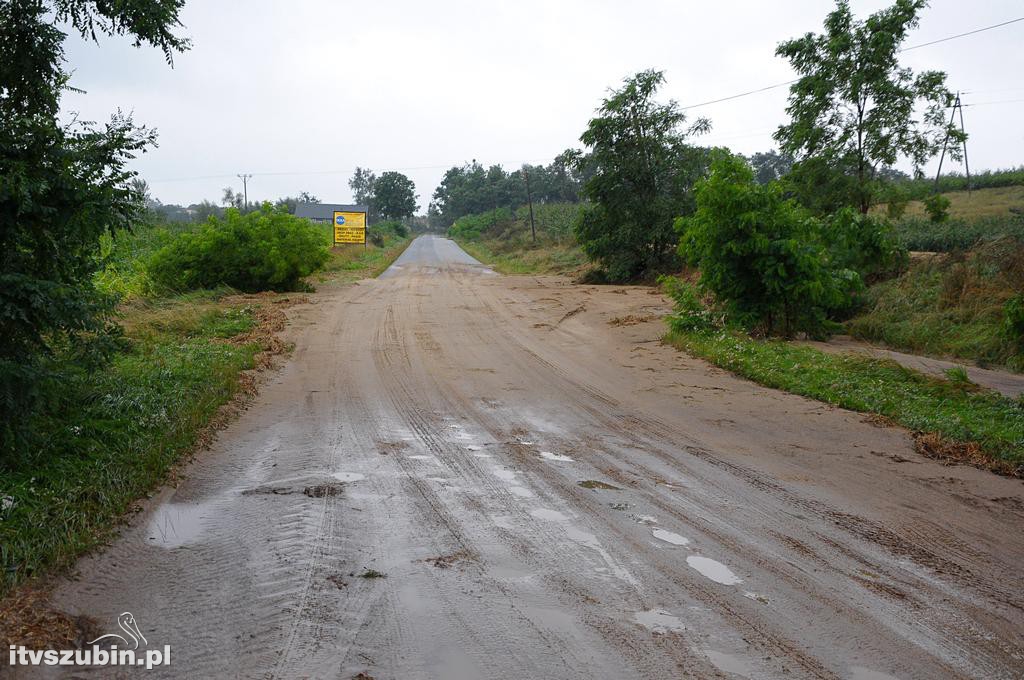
{"type": "Point", "coordinates": [542, 490]}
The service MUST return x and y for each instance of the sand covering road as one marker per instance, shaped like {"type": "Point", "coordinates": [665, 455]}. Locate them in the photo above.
{"type": "Point", "coordinates": [464, 475]}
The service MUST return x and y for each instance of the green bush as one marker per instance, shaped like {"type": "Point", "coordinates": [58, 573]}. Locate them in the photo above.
{"type": "Point", "coordinates": [937, 207]}
{"type": "Point", "coordinates": [863, 243]}
{"type": "Point", "coordinates": [1013, 321]}
{"type": "Point", "coordinates": [264, 250]}
{"type": "Point", "coordinates": [690, 312]}
{"type": "Point", "coordinates": [762, 256]}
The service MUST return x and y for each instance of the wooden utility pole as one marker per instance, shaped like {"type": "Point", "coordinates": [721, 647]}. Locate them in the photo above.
{"type": "Point", "coordinates": [529, 200]}
{"type": "Point", "coordinates": [245, 191]}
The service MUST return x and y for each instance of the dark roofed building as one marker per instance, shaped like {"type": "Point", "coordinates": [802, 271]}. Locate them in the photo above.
{"type": "Point", "coordinates": [324, 212]}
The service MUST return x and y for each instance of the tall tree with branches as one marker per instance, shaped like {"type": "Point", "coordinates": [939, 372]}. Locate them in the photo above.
{"type": "Point", "coordinates": [854, 110]}
{"type": "Point", "coordinates": [61, 186]}
{"type": "Point", "coordinates": [642, 176]}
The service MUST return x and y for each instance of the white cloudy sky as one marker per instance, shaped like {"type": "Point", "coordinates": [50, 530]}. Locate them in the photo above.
{"type": "Point", "coordinates": [299, 93]}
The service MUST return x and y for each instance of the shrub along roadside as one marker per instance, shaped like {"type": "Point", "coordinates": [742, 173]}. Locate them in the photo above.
{"type": "Point", "coordinates": [264, 250]}
{"type": "Point", "coordinates": [988, 428]}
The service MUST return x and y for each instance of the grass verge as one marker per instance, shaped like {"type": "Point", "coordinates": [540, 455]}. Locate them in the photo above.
{"type": "Point", "coordinates": [353, 262]}
{"type": "Point", "coordinates": [953, 421]}
{"type": "Point", "coordinates": [949, 305]}
{"type": "Point", "coordinates": [515, 257]}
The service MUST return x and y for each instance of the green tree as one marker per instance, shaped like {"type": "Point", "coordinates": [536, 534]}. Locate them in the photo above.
{"type": "Point", "coordinates": [290, 202]}
{"type": "Point", "coordinates": [361, 185]}
{"type": "Point", "coordinates": [770, 166]}
{"type": "Point", "coordinates": [760, 255]}
{"type": "Point", "coordinates": [394, 196]}
{"type": "Point", "coordinates": [61, 187]}
{"type": "Point", "coordinates": [854, 109]}
{"type": "Point", "coordinates": [643, 175]}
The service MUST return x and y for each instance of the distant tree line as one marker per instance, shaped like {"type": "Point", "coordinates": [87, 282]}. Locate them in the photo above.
{"type": "Point", "coordinates": [471, 188]}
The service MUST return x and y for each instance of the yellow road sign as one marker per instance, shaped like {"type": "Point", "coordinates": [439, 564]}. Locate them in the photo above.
{"type": "Point", "coordinates": [349, 227]}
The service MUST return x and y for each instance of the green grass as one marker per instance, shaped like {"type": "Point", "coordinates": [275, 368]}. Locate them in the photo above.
{"type": "Point", "coordinates": [353, 262]}
{"type": "Point", "coordinates": [920, 234]}
{"type": "Point", "coordinates": [956, 411]}
{"type": "Point", "coordinates": [980, 203]}
{"type": "Point", "coordinates": [117, 434]}
{"type": "Point", "coordinates": [522, 257]}
{"type": "Point", "coordinates": [948, 306]}
{"type": "Point", "coordinates": [503, 239]}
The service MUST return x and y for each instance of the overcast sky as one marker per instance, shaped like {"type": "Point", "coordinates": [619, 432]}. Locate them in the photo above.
{"type": "Point", "coordinates": [299, 93]}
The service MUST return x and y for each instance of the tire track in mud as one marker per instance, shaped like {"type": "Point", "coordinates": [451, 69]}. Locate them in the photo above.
{"type": "Point", "coordinates": [494, 499]}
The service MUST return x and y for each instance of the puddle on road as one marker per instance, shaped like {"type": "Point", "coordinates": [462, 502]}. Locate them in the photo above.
{"type": "Point", "coordinates": [503, 521]}
{"type": "Point", "coordinates": [862, 673]}
{"type": "Point", "coordinates": [549, 515]}
{"type": "Point", "coordinates": [547, 455]}
{"type": "Point", "coordinates": [520, 491]}
{"type": "Point", "coordinates": [728, 663]}
{"type": "Point", "coordinates": [482, 455]}
{"type": "Point", "coordinates": [659, 621]}
{"type": "Point", "coordinates": [474, 447]}
{"type": "Point", "coordinates": [176, 524]}
{"type": "Point", "coordinates": [714, 570]}
{"type": "Point", "coordinates": [504, 474]}
{"type": "Point", "coordinates": [646, 519]}
{"type": "Point", "coordinates": [348, 476]}
{"type": "Point", "coordinates": [670, 537]}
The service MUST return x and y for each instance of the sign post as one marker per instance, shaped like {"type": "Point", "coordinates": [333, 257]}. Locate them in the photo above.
{"type": "Point", "coordinates": [349, 227]}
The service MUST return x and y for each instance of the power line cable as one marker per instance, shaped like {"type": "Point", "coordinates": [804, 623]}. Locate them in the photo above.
{"type": "Point", "coordinates": [905, 49]}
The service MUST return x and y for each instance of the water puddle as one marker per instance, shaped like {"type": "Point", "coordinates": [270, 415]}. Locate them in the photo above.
{"type": "Point", "coordinates": [862, 673]}
{"type": "Point", "coordinates": [176, 524]}
{"type": "Point", "coordinates": [474, 447]}
{"type": "Point", "coordinates": [714, 570]}
{"type": "Point", "coordinates": [646, 519]}
{"type": "Point", "coordinates": [659, 621]}
{"type": "Point", "coordinates": [503, 521]}
{"type": "Point", "coordinates": [482, 455]}
{"type": "Point", "coordinates": [547, 455]}
{"type": "Point", "coordinates": [348, 476]}
{"type": "Point", "coordinates": [520, 491]}
{"type": "Point", "coordinates": [671, 537]}
{"type": "Point", "coordinates": [728, 663]}
{"type": "Point", "coordinates": [549, 515]}
{"type": "Point", "coordinates": [504, 474]}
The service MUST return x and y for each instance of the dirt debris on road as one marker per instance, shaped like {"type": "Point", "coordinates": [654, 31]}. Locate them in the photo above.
{"type": "Point", "coordinates": [741, 532]}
